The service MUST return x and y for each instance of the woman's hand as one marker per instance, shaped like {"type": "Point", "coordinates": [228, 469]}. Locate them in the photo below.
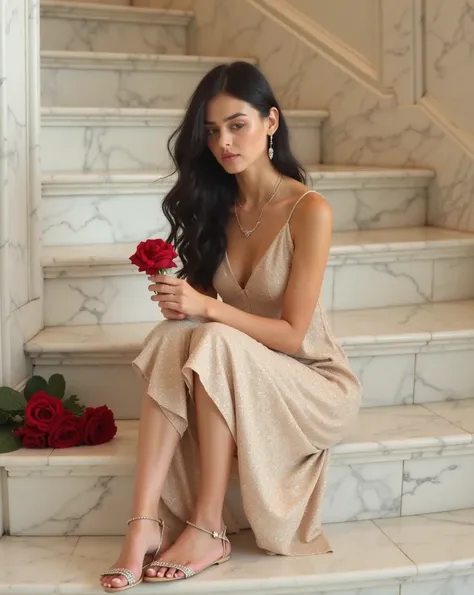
{"type": "Point", "coordinates": [176, 295]}
{"type": "Point", "coordinates": [172, 314]}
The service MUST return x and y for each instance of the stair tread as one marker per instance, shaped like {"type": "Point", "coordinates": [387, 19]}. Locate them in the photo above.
{"type": "Point", "coordinates": [59, 8]}
{"type": "Point", "coordinates": [402, 431]}
{"type": "Point", "coordinates": [391, 551]}
{"type": "Point", "coordinates": [358, 244]}
{"type": "Point", "coordinates": [93, 112]}
{"type": "Point", "coordinates": [73, 57]}
{"type": "Point", "coordinates": [421, 325]}
{"type": "Point", "coordinates": [317, 171]}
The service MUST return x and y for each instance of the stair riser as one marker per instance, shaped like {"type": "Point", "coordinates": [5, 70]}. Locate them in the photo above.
{"type": "Point", "coordinates": [91, 35]}
{"type": "Point", "coordinates": [87, 501]}
{"type": "Point", "coordinates": [116, 298]}
{"type": "Point", "coordinates": [399, 378]}
{"type": "Point", "coordinates": [156, 87]}
{"type": "Point", "coordinates": [141, 146]}
{"type": "Point", "coordinates": [92, 218]}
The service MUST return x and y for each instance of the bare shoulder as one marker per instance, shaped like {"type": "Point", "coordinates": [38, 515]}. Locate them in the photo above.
{"type": "Point", "coordinates": [312, 211]}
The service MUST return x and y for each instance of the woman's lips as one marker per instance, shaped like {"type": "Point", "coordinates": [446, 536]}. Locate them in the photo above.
{"type": "Point", "coordinates": [227, 157]}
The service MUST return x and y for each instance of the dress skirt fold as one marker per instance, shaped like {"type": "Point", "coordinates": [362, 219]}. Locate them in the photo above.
{"type": "Point", "coordinates": [284, 415]}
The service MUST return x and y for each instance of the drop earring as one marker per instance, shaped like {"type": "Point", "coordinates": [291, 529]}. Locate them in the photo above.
{"type": "Point", "coordinates": [271, 152]}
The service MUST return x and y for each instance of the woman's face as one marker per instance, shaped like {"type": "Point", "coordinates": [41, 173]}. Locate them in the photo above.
{"type": "Point", "coordinates": [237, 133]}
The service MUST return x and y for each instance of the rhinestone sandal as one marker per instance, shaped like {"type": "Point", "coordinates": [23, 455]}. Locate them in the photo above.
{"type": "Point", "coordinates": [132, 580]}
{"type": "Point", "coordinates": [186, 570]}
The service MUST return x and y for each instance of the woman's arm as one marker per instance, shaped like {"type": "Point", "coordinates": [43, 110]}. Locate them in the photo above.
{"type": "Point", "coordinates": [312, 227]}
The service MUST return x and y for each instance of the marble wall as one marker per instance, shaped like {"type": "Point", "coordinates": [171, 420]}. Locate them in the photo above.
{"type": "Point", "coordinates": [354, 23]}
{"type": "Point", "coordinates": [449, 57]}
{"type": "Point", "coordinates": [388, 120]}
{"type": "Point", "coordinates": [20, 190]}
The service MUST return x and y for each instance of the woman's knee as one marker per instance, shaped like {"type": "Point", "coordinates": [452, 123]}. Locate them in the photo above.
{"type": "Point", "coordinates": [216, 330]}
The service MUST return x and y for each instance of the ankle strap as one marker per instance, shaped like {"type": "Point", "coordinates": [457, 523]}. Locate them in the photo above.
{"type": "Point", "coordinates": [145, 518]}
{"type": "Point", "coordinates": [215, 534]}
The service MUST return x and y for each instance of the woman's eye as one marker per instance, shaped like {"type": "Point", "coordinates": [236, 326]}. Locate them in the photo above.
{"type": "Point", "coordinates": [237, 126]}
{"type": "Point", "coordinates": [211, 132]}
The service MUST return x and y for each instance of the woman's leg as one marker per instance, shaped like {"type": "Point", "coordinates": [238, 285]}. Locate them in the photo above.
{"type": "Point", "coordinates": [216, 450]}
{"type": "Point", "coordinates": [157, 441]}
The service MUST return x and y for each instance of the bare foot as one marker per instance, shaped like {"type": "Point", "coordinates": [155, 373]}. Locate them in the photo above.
{"type": "Point", "coordinates": [142, 538]}
{"type": "Point", "coordinates": [193, 548]}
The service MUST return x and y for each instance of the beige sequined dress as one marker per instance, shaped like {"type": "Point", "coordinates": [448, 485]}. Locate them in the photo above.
{"type": "Point", "coordinates": [284, 412]}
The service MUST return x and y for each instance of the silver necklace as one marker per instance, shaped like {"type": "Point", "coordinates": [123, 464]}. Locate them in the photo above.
{"type": "Point", "coordinates": [248, 232]}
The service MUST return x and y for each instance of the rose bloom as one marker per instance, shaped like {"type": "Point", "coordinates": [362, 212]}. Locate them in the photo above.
{"type": "Point", "coordinates": [154, 255]}
{"type": "Point", "coordinates": [98, 425]}
{"type": "Point", "coordinates": [41, 410]}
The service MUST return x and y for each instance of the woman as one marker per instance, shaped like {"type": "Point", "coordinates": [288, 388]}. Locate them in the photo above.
{"type": "Point", "coordinates": [257, 378]}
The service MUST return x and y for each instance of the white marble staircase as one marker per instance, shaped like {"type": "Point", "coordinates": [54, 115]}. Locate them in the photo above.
{"type": "Point", "coordinates": [400, 503]}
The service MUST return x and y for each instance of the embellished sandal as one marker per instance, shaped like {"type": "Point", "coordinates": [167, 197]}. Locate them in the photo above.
{"type": "Point", "coordinates": [186, 570]}
{"type": "Point", "coordinates": [132, 580]}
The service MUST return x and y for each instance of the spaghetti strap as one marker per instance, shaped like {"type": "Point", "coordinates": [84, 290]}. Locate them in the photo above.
{"type": "Point", "coordinates": [297, 202]}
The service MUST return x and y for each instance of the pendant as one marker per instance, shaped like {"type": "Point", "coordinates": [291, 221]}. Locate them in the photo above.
{"type": "Point", "coordinates": [248, 233]}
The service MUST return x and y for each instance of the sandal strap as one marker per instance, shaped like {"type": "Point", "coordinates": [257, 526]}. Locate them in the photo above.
{"type": "Point", "coordinates": [146, 518]}
{"type": "Point", "coordinates": [128, 574]}
{"type": "Point", "coordinates": [188, 572]}
{"type": "Point", "coordinates": [215, 534]}
{"type": "Point", "coordinates": [156, 520]}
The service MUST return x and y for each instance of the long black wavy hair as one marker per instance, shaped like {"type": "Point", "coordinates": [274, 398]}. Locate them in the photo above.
{"type": "Point", "coordinates": [199, 204]}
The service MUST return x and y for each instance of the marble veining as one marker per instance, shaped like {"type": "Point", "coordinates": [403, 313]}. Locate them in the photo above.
{"type": "Point", "coordinates": [121, 80]}
{"type": "Point", "coordinates": [117, 139]}
{"type": "Point", "coordinates": [347, 568]}
{"type": "Point", "coordinates": [449, 30]}
{"type": "Point", "coordinates": [364, 128]}
{"type": "Point", "coordinates": [20, 191]}
{"type": "Point", "coordinates": [95, 208]}
{"type": "Point", "coordinates": [96, 28]}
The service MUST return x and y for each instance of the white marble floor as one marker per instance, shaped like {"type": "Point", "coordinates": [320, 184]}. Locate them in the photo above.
{"type": "Point", "coordinates": [375, 556]}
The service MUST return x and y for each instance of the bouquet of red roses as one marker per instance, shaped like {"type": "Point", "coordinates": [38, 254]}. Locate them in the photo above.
{"type": "Point", "coordinates": [43, 417]}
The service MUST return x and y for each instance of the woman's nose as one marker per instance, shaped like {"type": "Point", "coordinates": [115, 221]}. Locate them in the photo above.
{"type": "Point", "coordinates": [225, 139]}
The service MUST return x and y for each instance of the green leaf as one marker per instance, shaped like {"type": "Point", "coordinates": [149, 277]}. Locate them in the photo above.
{"type": "Point", "coordinates": [57, 386]}
{"type": "Point", "coordinates": [11, 417]}
{"type": "Point", "coordinates": [72, 404]}
{"type": "Point", "coordinates": [8, 442]}
{"type": "Point", "coordinates": [11, 400]}
{"type": "Point", "coordinates": [34, 385]}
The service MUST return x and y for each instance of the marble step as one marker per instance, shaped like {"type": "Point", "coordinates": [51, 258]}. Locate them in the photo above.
{"type": "Point", "coordinates": [96, 208]}
{"type": "Point", "coordinates": [417, 555]}
{"type": "Point", "coordinates": [396, 461]}
{"type": "Point", "coordinates": [403, 355]}
{"type": "Point", "coordinates": [93, 27]}
{"type": "Point", "coordinates": [121, 80]}
{"type": "Point", "coordinates": [118, 139]}
{"type": "Point", "coordinates": [366, 269]}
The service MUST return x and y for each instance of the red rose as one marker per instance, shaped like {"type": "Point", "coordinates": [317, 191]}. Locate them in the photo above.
{"type": "Point", "coordinates": [31, 437]}
{"type": "Point", "coordinates": [154, 255]}
{"type": "Point", "coordinates": [66, 431]}
{"type": "Point", "coordinates": [99, 425]}
{"type": "Point", "coordinates": [41, 410]}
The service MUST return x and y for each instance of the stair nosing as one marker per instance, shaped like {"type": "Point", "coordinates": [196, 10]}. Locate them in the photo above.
{"type": "Point", "coordinates": [119, 342]}
{"type": "Point", "coordinates": [115, 13]}
{"type": "Point", "coordinates": [81, 60]}
{"type": "Point", "coordinates": [57, 259]}
{"type": "Point", "coordinates": [111, 116]}
{"type": "Point", "coordinates": [375, 449]}
{"type": "Point", "coordinates": [359, 177]}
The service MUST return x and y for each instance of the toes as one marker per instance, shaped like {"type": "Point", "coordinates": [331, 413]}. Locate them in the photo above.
{"type": "Point", "coordinates": [151, 572]}
{"type": "Point", "coordinates": [170, 573]}
{"type": "Point", "coordinates": [118, 582]}
{"type": "Point", "coordinates": [161, 572]}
